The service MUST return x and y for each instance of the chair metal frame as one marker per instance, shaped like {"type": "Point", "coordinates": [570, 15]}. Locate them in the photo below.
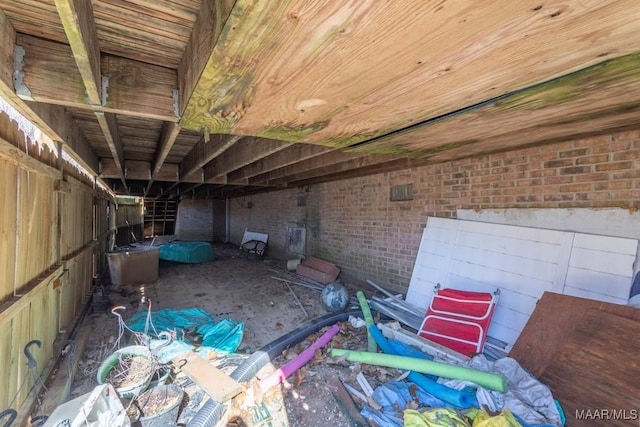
{"type": "Point", "coordinates": [473, 321]}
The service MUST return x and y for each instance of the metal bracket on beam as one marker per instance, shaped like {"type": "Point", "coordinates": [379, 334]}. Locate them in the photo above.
{"type": "Point", "coordinates": [105, 92]}
{"type": "Point", "coordinates": [176, 102]}
{"type": "Point", "coordinates": [18, 74]}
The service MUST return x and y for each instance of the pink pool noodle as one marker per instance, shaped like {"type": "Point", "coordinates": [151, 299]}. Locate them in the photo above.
{"type": "Point", "coordinates": [285, 371]}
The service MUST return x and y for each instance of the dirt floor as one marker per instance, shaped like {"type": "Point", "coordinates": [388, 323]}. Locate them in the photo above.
{"type": "Point", "coordinates": [241, 289]}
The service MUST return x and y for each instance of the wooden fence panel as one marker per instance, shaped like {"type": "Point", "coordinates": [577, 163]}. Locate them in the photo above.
{"type": "Point", "coordinates": [8, 178]}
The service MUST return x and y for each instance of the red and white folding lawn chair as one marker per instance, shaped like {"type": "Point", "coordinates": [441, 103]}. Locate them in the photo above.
{"type": "Point", "coordinates": [459, 319]}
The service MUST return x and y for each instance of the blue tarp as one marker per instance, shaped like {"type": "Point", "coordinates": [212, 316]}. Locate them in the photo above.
{"type": "Point", "coordinates": [222, 336]}
{"type": "Point", "coordinates": [187, 252]}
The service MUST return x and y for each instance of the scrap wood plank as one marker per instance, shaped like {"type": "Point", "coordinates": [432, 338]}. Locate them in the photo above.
{"type": "Point", "coordinates": [344, 400]}
{"type": "Point", "coordinates": [552, 322]}
{"type": "Point", "coordinates": [597, 368]}
{"type": "Point", "coordinates": [219, 386]}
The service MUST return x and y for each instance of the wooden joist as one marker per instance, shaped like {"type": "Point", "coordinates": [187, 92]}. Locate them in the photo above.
{"type": "Point", "coordinates": [133, 88]}
{"type": "Point", "coordinates": [109, 125]}
{"type": "Point", "coordinates": [280, 159]}
{"type": "Point", "coordinates": [316, 162]}
{"type": "Point", "coordinates": [79, 26]}
{"type": "Point", "coordinates": [370, 161]}
{"type": "Point", "coordinates": [170, 132]}
{"type": "Point", "coordinates": [247, 151]}
{"type": "Point", "coordinates": [52, 120]}
{"type": "Point", "coordinates": [204, 152]}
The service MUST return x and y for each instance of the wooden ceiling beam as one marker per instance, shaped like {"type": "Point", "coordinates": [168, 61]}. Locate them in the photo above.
{"type": "Point", "coordinates": [79, 26]}
{"type": "Point", "coordinates": [282, 158]}
{"type": "Point", "coordinates": [48, 74]}
{"type": "Point", "coordinates": [337, 74]}
{"type": "Point", "coordinates": [303, 166]}
{"type": "Point", "coordinates": [601, 97]}
{"type": "Point", "coordinates": [204, 36]}
{"type": "Point", "coordinates": [370, 161]}
{"type": "Point", "coordinates": [247, 151]}
{"type": "Point", "coordinates": [141, 170]}
{"type": "Point", "coordinates": [348, 171]}
{"type": "Point", "coordinates": [52, 120]}
{"type": "Point", "coordinates": [109, 125]}
{"type": "Point", "coordinates": [194, 178]}
{"type": "Point", "coordinates": [170, 132]}
{"type": "Point", "coordinates": [188, 189]}
{"type": "Point", "coordinates": [203, 152]}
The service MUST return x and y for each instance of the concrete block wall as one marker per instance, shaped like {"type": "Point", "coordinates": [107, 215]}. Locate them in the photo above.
{"type": "Point", "coordinates": [354, 224]}
{"type": "Point", "coordinates": [195, 220]}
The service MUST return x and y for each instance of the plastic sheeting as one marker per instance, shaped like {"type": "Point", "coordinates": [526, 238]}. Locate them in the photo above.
{"type": "Point", "coordinates": [187, 252]}
{"type": "Point", "coordinates": [222, 336]}
{"type": "Point", "coordinates": [446, 417]}
{"type": "Point", "coordinates": [394, 396]}
{"type": "Point", "coordinates": [527, 398]}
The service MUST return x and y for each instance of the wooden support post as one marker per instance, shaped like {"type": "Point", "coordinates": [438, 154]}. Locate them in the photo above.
{"type": "Point", "coordinates": [164, 222]}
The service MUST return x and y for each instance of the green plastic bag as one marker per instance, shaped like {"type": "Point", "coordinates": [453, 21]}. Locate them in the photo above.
{"type": "Point", "coordinates": [438, 417]}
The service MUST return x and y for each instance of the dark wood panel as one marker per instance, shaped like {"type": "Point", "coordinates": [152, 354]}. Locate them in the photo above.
{"type": "Point", "coordinates": [550, 325]}
{"type": "Point", "coordinates": [597, 369]}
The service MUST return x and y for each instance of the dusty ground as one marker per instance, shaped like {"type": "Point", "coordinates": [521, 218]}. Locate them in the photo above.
{"type": "Point", "coordinates": [239, 288]}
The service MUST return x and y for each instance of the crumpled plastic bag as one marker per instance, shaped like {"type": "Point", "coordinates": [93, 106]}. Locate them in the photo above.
{"type": "Point", "coordinates": [394, 396]}
{"type": "Point", "coordinates": [447, 417]}
{"type": "Point", "coordinates": [437, 417]}
{"type": "Point", "coordinates": [483, 419]}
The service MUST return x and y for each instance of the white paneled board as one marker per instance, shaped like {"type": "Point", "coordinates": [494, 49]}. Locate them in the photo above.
{"type": "Point", "coordinates": [523, 262]}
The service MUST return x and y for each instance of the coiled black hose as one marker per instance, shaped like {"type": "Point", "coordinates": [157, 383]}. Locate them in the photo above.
{"type": "Point", "coordinates": [212, 411]}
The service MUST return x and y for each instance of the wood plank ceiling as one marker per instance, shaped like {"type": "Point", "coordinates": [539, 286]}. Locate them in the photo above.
{"type": "Point", "coordinates": [220, 97]}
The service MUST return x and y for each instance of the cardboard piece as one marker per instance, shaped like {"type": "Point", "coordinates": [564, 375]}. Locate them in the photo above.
{"type": "Point", "coordinates": [219, 386]}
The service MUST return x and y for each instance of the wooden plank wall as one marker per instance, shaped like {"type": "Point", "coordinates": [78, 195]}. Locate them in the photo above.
{"type": "Point", "coordinates": [47, 260]}
{"type": "Point", "coordinates": [133, 214]}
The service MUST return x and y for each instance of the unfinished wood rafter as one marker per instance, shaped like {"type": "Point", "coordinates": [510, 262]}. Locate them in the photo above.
{"type": "Point", "coordinates": [204, 152]}
{"type": "Point", "coordinates": [316, 162]}
{"type": "Point", "coordinates": [371, 163]}
{"type": "Point", "coordinates": [53, 121]}
{"type": "Point", "coordinates": [133, 88]}
{"type": "Point", "coordinates": [282, 158]}
{"type": "Point", "coordinates": [247, 151]}
{"type": "Point", "coordinates": [109, 125]}
{"type": "Point", "coordinates": [79, 26]}
{"type": "Point", "coordinates": [170, 132]}
{"type": "Point", "coordinates": [345, 171]}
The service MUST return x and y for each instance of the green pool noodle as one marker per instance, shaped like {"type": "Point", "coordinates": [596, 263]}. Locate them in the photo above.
{"type": "Point", "coordinates": [484, 379]}
{"type": "Point", "coordinates": [366, 311]}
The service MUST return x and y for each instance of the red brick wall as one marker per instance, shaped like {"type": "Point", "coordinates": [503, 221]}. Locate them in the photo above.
{"type": "Point", "coordinates": [353, 223]}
